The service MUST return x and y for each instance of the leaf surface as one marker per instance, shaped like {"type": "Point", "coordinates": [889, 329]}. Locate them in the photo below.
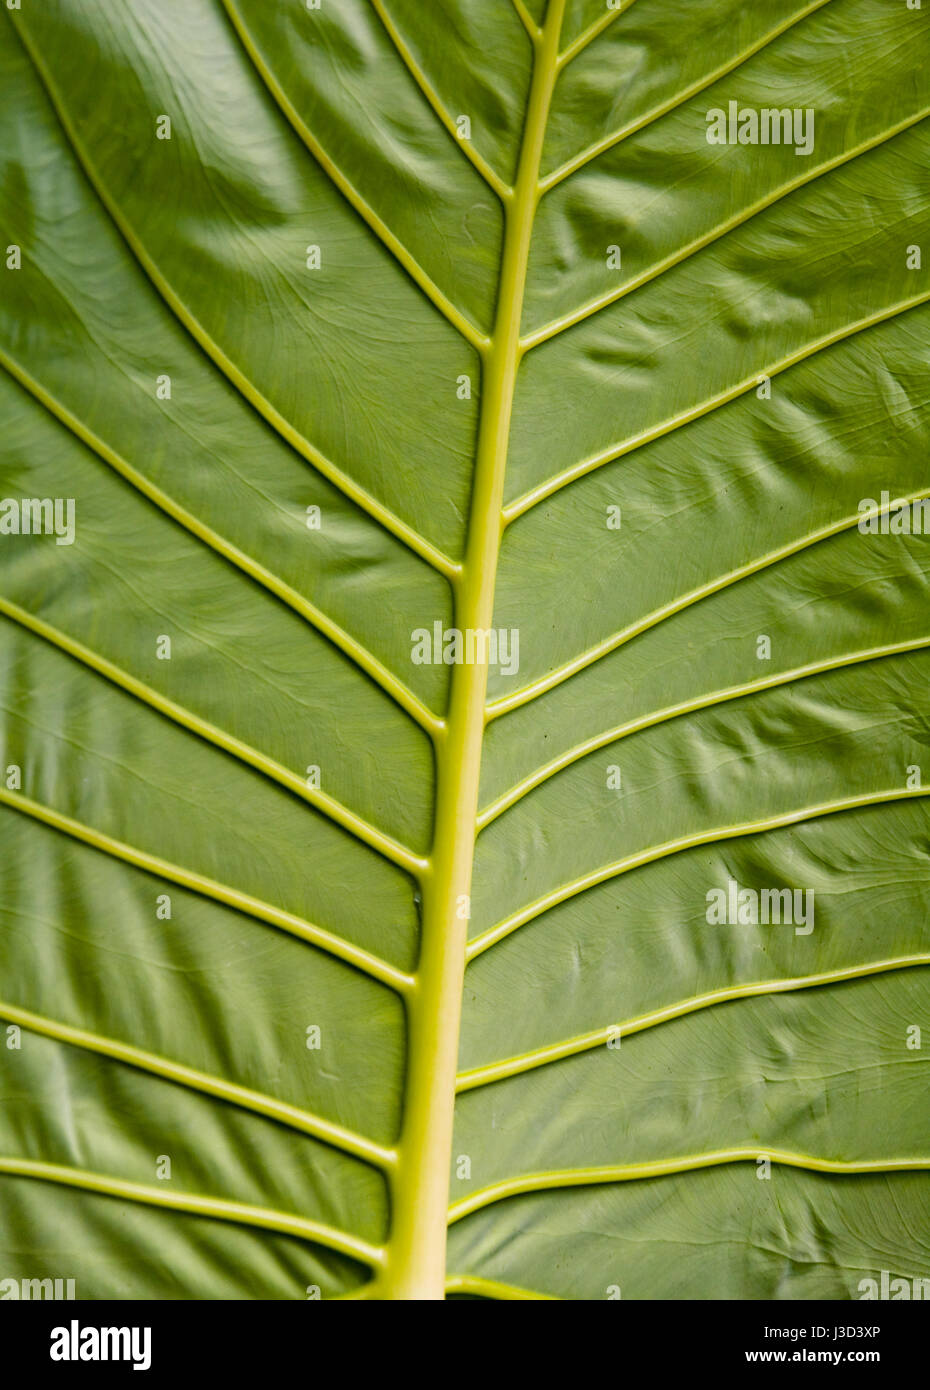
{"type": "Point", "coordinates": [451, 315]}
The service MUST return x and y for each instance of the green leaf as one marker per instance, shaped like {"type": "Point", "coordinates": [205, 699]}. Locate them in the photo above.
{"type": "Point", "coordinates": [344, 326]}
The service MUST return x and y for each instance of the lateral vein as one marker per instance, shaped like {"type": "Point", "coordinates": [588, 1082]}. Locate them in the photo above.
{"type": "Point", "coordinates": [493, 1288]}
{"type": "Point", "coordinates": [593, 32]}
{"type": "Point", "coordinates": [340, 480]}
{"type": "Point", "coordinates": [243, 1097]}
{"type": "Point", "coordinates": [219, 892]}
{"type": "Point", "coordinates": [527, 20]}
{"type": "Point", "coordinates": [660, 1168]}
{"type": "Point", "coordinates": [348, 645]}
{"type": "Point", "coordinates": [594, 306]}
{"type": "Point", "coordinates": [453, 315]}
{"type": "Point", "coordinates": [328, 806]}
{"type": "Point", "coordinates": [702, 702]}
{"type": "Point", "coordinates": [523, 1062]}
{"type": "Point", "coordinates": [485, 939]}
{"type": "Point", "coordinates": [490, 176]}
{"type": "Point", "coordinates": [220, 1208]}
{"type": "Point", "coordinates": [592, 152]}
{"type": "Point", "coordinates": [686, 417]}
{"type": "Point", "coordinates": [506, 704]}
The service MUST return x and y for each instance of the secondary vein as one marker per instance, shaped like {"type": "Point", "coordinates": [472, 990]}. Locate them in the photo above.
{"type": "Point", "coordinates": [517, 1065]}
{"type": "Point", "coordinates": [453, 315]}
{"type": "Point", "coordinates": [219, 1208]}
{"type": "Point", "coordinates": [490, 175]}
{"type": "Point", "coordinates": [701, 702]}
{"type": "Point", "coordinates": [321, 801]}
{"type": "Point", "coordinates": [243, 1097]}
{"type": "Point", "coordinates": [507, 703]}
{"type": "Point", "coordinates": [593, 32]}
{"type": "Point", "coordinates": [594, 151]}
{"type": "Point", "coordinates": [739, 219]}
{"type": "Point", "coordinates": [340, 480]}
{"type": "Point", "coordinates": [561, 894]}
{"type": "Point", "coordinates": [686, 417]}
{"type": "Point", "coordinates": [660, 1168]}
{"type": "Point", "coordinates": [220, 892]}
{"type": "Point", "coordinates": [348, 645]}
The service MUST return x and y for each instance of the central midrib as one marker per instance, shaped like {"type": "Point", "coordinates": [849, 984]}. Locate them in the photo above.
{"type": "Point", "coordinates": [416, 1263]}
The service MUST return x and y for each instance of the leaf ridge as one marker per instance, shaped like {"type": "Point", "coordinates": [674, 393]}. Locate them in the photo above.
{"type": "Point", "coordinates": [523, 1062]}
{"type": "Point", "coordinates": [594, 306]}
{"type": "Point", "coordinates": [686, 417]}
{"type": "Point", "coordinates": [375, 509]}
{"type": "Point", "coordinates": [328, 806]}
{"type": "Point", "coordinates": [660, 1168]}
{"type": "Point", "coordinates": [289, 922]}
{"type": "Point", "coordinates": [488, 938]}
{"type": "Point", "coordinates": [348, 645]}
{"type": "Point", "coordinates": [243, 1097]}
{"type": "Point", "coordinates": [452, 314]}
{"type": "Point", "coordinates": [220, 1208]}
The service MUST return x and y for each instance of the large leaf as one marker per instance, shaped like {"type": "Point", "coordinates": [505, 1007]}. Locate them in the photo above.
{"type": "Point", "coordinates": [282, 833]}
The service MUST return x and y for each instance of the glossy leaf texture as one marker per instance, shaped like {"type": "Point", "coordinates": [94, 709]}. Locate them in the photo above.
{"type": "Point", "coordinates": [339, 323]}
